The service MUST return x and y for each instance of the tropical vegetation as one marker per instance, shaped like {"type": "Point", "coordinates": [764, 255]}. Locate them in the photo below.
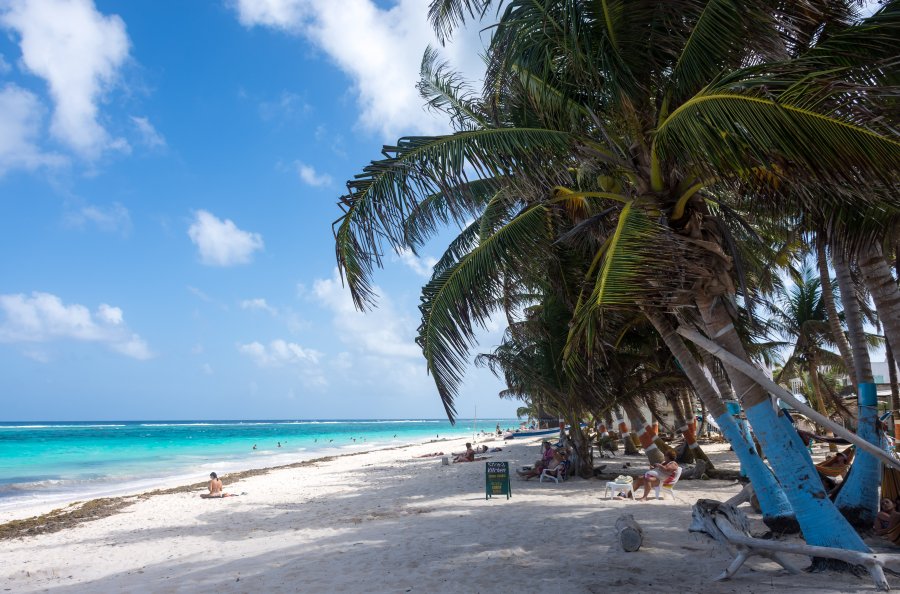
{"type": "Point", "coordinates": [632, 168]}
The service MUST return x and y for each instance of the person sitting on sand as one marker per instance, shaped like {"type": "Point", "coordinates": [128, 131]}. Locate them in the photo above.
{"type": "Point", "coordinates": [467, 456]}
{"type": "Point", "coordinates": [887, 522]}
{"type": "Point", "coordinates": [658, 474]}
{"type": "Point", "coordinates": [215, 488]}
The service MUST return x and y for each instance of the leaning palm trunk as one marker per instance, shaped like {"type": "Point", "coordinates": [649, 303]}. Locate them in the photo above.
{"type": "Point", "coordinates": [834, 321]}
{"type": "Point", "coordinates": [813, 370]}
{"type": "Point", "coordinates": [821, 522]}
{"type": "Point", "coordinates": [644, 433]}
{"type": "Point", "coordinates": [776, 509]}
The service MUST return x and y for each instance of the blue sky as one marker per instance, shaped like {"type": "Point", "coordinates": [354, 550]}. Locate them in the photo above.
{"type": "Point", "coordinates": [169, 173]}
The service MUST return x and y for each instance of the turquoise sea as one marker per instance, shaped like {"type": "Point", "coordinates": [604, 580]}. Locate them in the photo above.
{"type": "Point", "coordinates": [48, 461]}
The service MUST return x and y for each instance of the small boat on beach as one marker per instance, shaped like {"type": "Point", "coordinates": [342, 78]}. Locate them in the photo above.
{"type": "Point", "coordinates": [525, 433]}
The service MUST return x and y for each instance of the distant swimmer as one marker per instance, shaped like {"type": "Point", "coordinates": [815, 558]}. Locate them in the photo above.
{"type": "Point", "coordinates": [279, 444]}
{"type": "Point", "coordinates": [254, 446]}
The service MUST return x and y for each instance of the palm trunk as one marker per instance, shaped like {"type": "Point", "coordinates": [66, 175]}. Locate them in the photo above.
{"type": "Point", "coordinates": [821, 522]}
{"type": "Point", "coordinates": [834, 321]}
{"type": "Point", "coordinates": [692, 450]}
{"type": "Point", "coordinates": [584, 464]}
{"type": "Point", "coordinates": [819, 403]}
{"type": "Point", "coordinates": [858, 499]}
{"type": "Point", "coordinates": [644, 433]}
{"type": "Point", "coordinates": [884, 290]}
{"type": "Point", "coordinates": [861, 365]}
{"type": "Point", "coordinates": [776, 509]}
{"type": "Point", "coordinates": [628, 442]}
{"type": "Point", "coordinates": [895, 392]}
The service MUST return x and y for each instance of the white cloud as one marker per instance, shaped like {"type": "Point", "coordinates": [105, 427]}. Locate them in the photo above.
{"type": "Point", "coordinates": [380, 49]}
{"type": "Point", "coordinates": [21, 116]}
{"type": "Point", "coordinates": [149, 135]}
{"type": "Point", "coordinates": [279, 353]}
{"type": "Point", "coordinates": [207, 369]}
{"type": "Point", "coordinates": [5, 68]}
{"type": "Point", "coordinates": [381, 332]}
{"type": "Point", "coordinates": [421, 266]}
{"type": "Point", "coordinates": [258, 304]}
{"type": "Point", "coordinates": [114, 218]}
{"type": "Point", "coordinates": [43, 317]}
{"type": "Point", "coordinates": [310, 177]}
{"type": "Point", "coordinates": [220, 242]}
{"type": "Point", "coordinates": [280, 14]}
{"type": "Point", "coordinates": [78, 52]}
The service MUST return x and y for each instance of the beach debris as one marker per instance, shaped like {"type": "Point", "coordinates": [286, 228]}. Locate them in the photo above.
{"type": "Point", "coordinates": [629, 533]}
{"type": "Point", "coordinates": [729, 526]}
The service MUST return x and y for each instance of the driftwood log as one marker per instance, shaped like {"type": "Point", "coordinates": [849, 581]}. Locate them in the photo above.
{"type": "Point", "coordinates": [629, 533]}
{"type": "Point", "coordinates": [729, 526]}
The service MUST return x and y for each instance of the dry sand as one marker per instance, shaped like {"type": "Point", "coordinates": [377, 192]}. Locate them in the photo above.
{"type": "Point", "coordinates": [386, 521]}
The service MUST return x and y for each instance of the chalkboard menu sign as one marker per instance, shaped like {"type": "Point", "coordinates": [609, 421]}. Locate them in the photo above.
{"type": "Point", "coordinates": [496, 479]}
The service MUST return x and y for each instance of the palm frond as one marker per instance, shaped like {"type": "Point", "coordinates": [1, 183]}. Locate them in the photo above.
{"type": "Point", "coordinates": [463, 296]}
{"type": "Point", "coordinates": [718, 129]}
{"type": "Point", "coordinates": [380, 200]}
{"type": "Point", "coordinates": [446, 91]}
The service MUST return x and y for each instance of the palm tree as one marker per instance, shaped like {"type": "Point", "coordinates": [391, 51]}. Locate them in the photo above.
{"type": "Point", "coordinates": [800, 317]}
{"type": "Point", "coordinates": [659, 122]}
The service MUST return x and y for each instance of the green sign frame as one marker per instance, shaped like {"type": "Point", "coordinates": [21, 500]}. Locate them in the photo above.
{"type": "Point", "coordinates": [496, 479]}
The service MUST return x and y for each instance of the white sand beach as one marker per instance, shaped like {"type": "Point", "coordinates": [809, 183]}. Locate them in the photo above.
{"type": "Point", "coordinates": [387, 521]}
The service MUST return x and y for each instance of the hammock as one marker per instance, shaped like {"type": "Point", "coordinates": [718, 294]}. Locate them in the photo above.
{"type": "Point", "coordinates": [830, 469]}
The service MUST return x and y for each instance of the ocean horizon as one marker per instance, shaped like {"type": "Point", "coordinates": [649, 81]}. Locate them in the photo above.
{"type": "Point", "coordinates": [57, 461]}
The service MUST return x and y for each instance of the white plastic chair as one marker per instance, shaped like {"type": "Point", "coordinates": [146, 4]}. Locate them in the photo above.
{"type": "Point", "coordinates": [669, 485]}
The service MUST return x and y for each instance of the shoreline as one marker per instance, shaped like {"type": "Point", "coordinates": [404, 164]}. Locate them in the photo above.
{"type": "Point", "coordinates": [53, 515]}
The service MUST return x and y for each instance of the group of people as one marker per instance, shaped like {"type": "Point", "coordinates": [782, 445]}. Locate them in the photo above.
{"type": "Point", "coordinates": [551, 459]}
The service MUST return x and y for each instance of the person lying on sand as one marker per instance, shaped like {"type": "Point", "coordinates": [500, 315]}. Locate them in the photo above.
{"type": "Point", "coordinates": [432, 455]}
{"type": "Point", "coordinates": [215, 488]}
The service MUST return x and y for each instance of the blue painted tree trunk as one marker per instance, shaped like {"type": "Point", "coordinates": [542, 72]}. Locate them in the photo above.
{"type": "Point", "coordinates": [776, 509]}
{"type": "Point", "coordinates": [858, 499]}
{"type": "Point", "coordinates": [823, 525]}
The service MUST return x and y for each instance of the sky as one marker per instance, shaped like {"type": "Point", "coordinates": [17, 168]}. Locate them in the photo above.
{"type": "Point", "coordinates": [169, 173]}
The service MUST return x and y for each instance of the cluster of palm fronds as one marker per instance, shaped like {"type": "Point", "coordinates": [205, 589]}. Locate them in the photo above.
{"type": "Point", "coordinates": [632, 155]}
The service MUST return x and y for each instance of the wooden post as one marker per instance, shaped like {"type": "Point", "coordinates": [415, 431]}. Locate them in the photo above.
{"type": "Point", "coordinates": [629, 532]}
